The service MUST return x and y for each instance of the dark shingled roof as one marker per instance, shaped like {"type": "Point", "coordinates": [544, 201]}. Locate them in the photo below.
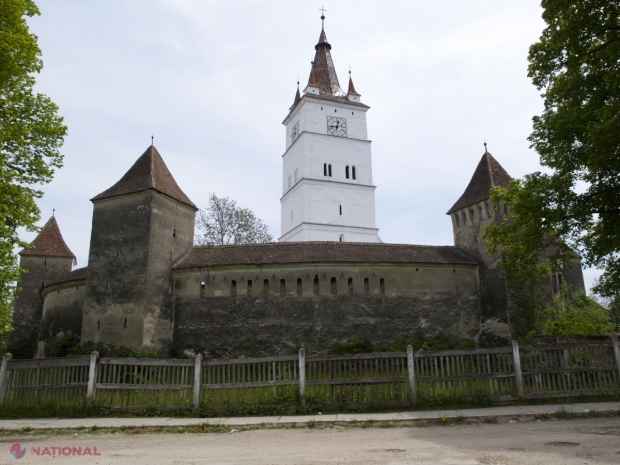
{"type": "Point", "coordinates": [75, 275]}
{"type": "Point", "coordinates": [304, 252]}
{"type": "Point", "coordinates": [49, 242]}
{"type": "Point", "coordinates": [148, 172]}
{"type": "Point", "coordinates": [489, 173]}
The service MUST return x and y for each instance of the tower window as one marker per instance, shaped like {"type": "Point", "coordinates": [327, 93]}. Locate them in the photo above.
{"type": "Point", "coordinates": [350, 286]}
{"type": "Point", "coordinates": [464, 218]}
{"type": "Point", "coordinates": [315, 287]}
{"type": "Point", "coordinates": [341, 209]}
{"type": "Point", "coordinates": [45, 260]}
{"type": "Point", "coordinates": [335, 111]}
{"type": "Point", "coordinates": [282, 287]}
{"type": "Point", "coordinates": [329, 170]}
{"type": "Point", "coordinates": [249, 287]}
{"type": "Point", "coordinates": [471, 214]}
{"type": "Point", "coordinates": [174, 232]}
{"type": "Point", "coordinates": [458, 222]}
{"type": "Point", "coordinates": [233, 288]}
{"type": "Point", "coordinates": [346, 172]}
{"type": "Point", "coordinates": [324, 169]}
{"type": "Point", "coordinates": [382, 286]}
{"type": "Point", "coordinates": [333, 286]}
{"type": "Point", "coordinates": [299, 286]}
{"type": "Point", "coordinates": [266, 288]}
{"type": "Point", "coordinates": [342, 238]}
{"type": "Point", "coordinates": [353, 172]}
{"type": "Point", "coordinates": [366, 286]}
{"type": "Point", "coordinates": [321, 108]}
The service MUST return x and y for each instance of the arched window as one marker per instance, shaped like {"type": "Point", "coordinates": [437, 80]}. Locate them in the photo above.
{"type": "Point", "coordinates": [299, 286]}
{"type": "Point", "coordinates": [249, 287]}
{"type": "Point", "coordinates": [324, 169]}
{"type": "Point", "coordinates": [333, 286]}
{"type": "Point", "coordinates": [346, 172]}
{"type": "Point", "coordinates": [366, 286]}
{"type": "Point", "coordinates": [266, 288]}
{"type": "Point", "coordinates": [315, 288]}
{"type": "Point", "coordinates": [382, 286]}
{"type": "Point", "coordinates": [341, 209]}
{"type": "Point", "coordinates": [233, 288]}
{"type": "Point", "coordinates": [329, 170]}
{"type": "Point", "coordinates": [353, 172]}
{"type": "Point", "coordinates": [350, 286]}
{"type": "Point", "coordinates": [282, 287]}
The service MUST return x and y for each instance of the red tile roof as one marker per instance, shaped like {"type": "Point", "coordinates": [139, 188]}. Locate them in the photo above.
{"type": "Point", "coordinates": [148, 172]}
{"type": "Point", "coordinates": [352, 90]}
{"type": "Point", "coordinates": [49, 242]}
{"type": "Point", "coordinates": [313, 252]}
{"type": "Point", "coordinates": [323, 68]}
{"type": "Point", "coordinates": [489, 173]}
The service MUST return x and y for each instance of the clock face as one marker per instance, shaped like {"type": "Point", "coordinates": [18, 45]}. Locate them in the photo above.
{"type": "Point", "coordinates": [336, 126]}
{"type": "Point", "coordinates": [295, 131]}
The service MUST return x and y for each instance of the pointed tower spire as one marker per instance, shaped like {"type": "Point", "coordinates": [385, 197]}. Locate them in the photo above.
{"type": "Point", "coordinates": [489, 173]}
{"type": "Point", "coordinates": [49, 242]}
{"type": "Point", "coordinates": [148, 172]}
{"type": "Point", "coordinates": [297, 95]}
{"type": "Point", "coordinates": [323, 66]}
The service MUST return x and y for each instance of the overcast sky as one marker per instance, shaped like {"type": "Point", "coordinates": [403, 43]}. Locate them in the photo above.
{"type": "Point", "coordinates": [212, 81]}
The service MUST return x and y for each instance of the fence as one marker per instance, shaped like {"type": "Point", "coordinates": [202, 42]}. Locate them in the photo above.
{"type": "Point", "coordinates": [394, 378]}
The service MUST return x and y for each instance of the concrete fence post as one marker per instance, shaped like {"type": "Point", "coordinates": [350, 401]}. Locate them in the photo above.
{"type": "Point", "coordinates": [616, 351]}
{"type": "Point", "coordinates": [518, 373]}
{"type": "Point", "coordinates": [3, 377]}
{"type": "Point", "coordinates": [411, 374]}
{"type": "Point", "coordinates": [302, 376]}
{"type": "Point", "coordinates": [92, 374]}
{"type": "Point", "coordinates": [197, 379]}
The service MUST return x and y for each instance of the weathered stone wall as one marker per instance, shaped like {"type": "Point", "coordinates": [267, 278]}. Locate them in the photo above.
{"type": "Point", "coordinates": [29, 304]}
{"type": "Point", "coordinates": [135, 240]}
{"type": "Point", "coordinates": [226, 316]}
{"type": "Point", "coordinates": [469, 224]}
{"type": "Point", "coordinates": [62, 313]}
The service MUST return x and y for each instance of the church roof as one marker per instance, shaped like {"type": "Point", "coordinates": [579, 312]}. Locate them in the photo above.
{"type": "Point", "coordinates": [323, 69]}
{"type": "Point", "coordinates": [148, 172]}
{"type": "Point", "coordinates": [49, 242]}
{"type": "Point", "coordinates": [313, 252]}
{"type": "Point", "coordinates": [489, 173]}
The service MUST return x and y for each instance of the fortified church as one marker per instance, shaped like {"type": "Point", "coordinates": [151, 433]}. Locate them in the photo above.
{"type": "Point", "coordinates": [329, 278]}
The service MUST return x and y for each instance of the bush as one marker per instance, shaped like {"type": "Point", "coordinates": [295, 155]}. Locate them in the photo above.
{"type": "Point", "coordinates": [363, 344]}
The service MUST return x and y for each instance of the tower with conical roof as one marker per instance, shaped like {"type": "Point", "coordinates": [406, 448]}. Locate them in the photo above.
{"type": "Point", "coordinates": [141, 226]}
{"type": "Point", "coordinates": [48, 260]}
{"type": "Point", "coordinates": [328, 193]}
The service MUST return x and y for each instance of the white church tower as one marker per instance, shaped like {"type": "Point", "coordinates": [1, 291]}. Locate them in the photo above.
{"type": "Point", "coordinates": [328, 194]}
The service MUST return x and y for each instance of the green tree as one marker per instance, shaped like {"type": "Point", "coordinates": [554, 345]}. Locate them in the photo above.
{"type": "Point", "coordinates": [576, 65]}
{"type": "Point", "coordinates": [31, 134]}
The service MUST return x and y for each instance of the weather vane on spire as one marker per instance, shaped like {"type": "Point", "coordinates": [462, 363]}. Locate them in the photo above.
{"type": "Point", "coordinates": [485, 147]}
{"type": "Point", "coordinates": [322, 10]}
{"type": "Point", "coordinates": [152, 138]}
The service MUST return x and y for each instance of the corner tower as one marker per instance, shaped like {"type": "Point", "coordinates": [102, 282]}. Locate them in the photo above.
{"type": "Point", "coordinates": [328, 194]}
{"type": "Point", "coordinates": [49, 260]}
{"type": "Point", "coordinates": [141, 226]}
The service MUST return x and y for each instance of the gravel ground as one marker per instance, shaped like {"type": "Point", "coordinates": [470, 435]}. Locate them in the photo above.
{"type": "Point", "coordinates": [561, 442]}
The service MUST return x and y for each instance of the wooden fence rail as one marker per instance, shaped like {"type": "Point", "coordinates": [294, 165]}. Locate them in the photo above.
{"type": "Point", "coordinates": [391, 378]}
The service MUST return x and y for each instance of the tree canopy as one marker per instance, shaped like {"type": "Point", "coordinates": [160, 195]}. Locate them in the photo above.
{"type": "Point", "coordinates": [224, 223]}
{"type": "Point", "coordinates": [31, 134]}
{"type": "Point", "coordinates": [575, 204]}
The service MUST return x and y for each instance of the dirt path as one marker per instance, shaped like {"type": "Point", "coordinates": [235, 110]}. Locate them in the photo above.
{"type": "Point", "coordinates": [581, 441]}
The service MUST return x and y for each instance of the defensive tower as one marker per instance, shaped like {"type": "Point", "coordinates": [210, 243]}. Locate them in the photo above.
{"type": "Point", "coordinates": [141, 226]}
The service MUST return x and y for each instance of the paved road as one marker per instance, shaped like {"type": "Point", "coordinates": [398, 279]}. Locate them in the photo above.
{"type": "Point", "coordinates": [582, 441]}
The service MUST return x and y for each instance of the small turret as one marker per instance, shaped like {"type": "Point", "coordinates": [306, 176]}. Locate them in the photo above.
{"type": "Point", "coordinates": [352, 94]}
{"type": "Point", "coordinates": [48, 260]}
